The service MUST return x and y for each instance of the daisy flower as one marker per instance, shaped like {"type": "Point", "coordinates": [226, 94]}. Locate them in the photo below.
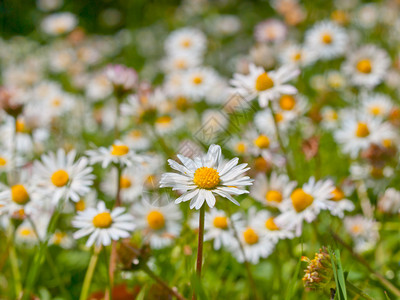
{"type": "Point", "coordinates": [186, 40]}
{"type": "Point", "coordinates": [203, 177]}
{"type": "Point", "coordinates": [118, 153]}
{"type": "Point", "coordinates": [341, 204]}
{"type": "Point", "coordinates": [327, 40]}
{"type": "Point", "coordinates": [198, 82]}
{"type": "Point", "coordinates": [181, 61]}
{"type": "Point", "coordinates": [59, 175]}
{"type": "Point", "coordinates": [267, 86]}
{"type": "Point", "coordinates": [271, 30]}
{"type": "Point", "coordinates": [305, 203]}
{"type": "Point", "coordinates": [255, 243]}
{"type": "Point", "coordinates": [297, 55]}
{"type": "Point", "coordinates": [377, 105]}
{"type": "Point", "coordinates": [367, 66]}
{"type": "Point", "coordinates": [123, 79]}
{"type": "Point", "coordinates": [160, 224]}
{"type": "Point", "coordinates": [218, 228]}
{"type": "Point", "coordinates": [59, 23]}
{"type": "Point", "coordinates": [364, 232]}
{"type": "Point", "coordinates": [272, 191]}
{"type": "Point", "coordinates": [266, 224]}
{"type": "Point", "coordinates": [103, 225]}
{"type": "Point", "coordinates": [390, 201]}
{"type": "Point", "coordinates": [16, 197]}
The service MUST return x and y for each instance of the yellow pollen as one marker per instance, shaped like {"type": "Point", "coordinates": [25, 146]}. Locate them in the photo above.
{"type": "Point", "coordinates": [186, 43]}
{"type": "Point", "coordinates": [26, 232]}
{"type": "Point", "coordinates": [156, 220]}
{"type": "Point", "coordinates": [375, 110]}
{"type": "Point", "coordinates": [264, 82]}
{"type": "Point", "coordinates": [270, 224]}
{"type": "Point", "coordinates": [356, 229]}
{"type": "Point", "coordinates": [301, 200]}
{"type": "Point", "coordinates": [364, 66]}
{"type": "Point", "coordinates": [262, 141]}
{"type": "Point", "coordinates": [297, 56]}
{"type": "Point", "coordinates": [273, 196]}
{"type": "Point", "coordinates": [3, 161]}
{"type": "Point", "coordinates": [125, 182]}
{"type": "Point", "coordinates": [326, 38]}
{"type": "Point", "coordinates": [220, 222]}
{"type": "Point", "coordinates": [102, 220]}
{"type": "Point", "coordinates": [119, 150]}
{"type": "Point", "coordinates": [278, 117]}
{"type": "Point", "coordinates": [241, 147]}
{"type": "Point", "coordinates": [387, 143]}
{"type": "Point", "coordinates": [287, 102]}
{"type": "Point", "coordinates": [164, 120]}
{"type": "Point", "coordinates": [19, 194]}
{"type": "Point", "coordinates": [362, 130]}
{"type": "Point", "coordinates": [197, 80]}
{"type": "Point", "coordinates": [250, 236]}
{"type": "Point", "coordinates": [60, 178]}
{"type": "Point", "coordinates": [337, 194]}
{"type": "Point", "coordinates": [206, 178]}
{"type": "Point", "coordinates": [80, 205]}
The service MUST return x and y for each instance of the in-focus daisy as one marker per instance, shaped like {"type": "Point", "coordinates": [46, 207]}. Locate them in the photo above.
{"type": "Point", "coordinates": [367, 66]}
{"type": "Point", "coordinates": [266, 86]}
{"type": "Point", "coordinates": [59, 175]}
{"type": "Point", "coordinates": [272, 191]}
{"type": "Point", "coordinates": [103, 225]}
{"type": "Point", "coordinates": [160, 224]}
{"type": "Point", "coordinates": [205, 176]}
{"type": "Point", "coordinates": [118, 153]}
{"type": "Point", "coordinates": [305, 203]}
{"type": "Point", "coordinates": [59, 23]}
{"type": "Point", "coordinates": [326, 40]}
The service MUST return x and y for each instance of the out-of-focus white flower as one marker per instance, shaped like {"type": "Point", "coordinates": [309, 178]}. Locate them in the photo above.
{"type": "Point", "coordinates": [59, 23]}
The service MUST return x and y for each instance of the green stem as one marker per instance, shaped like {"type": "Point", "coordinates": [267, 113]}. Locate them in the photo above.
{"type": "Point", "coordinates": [280, 141]}
{"type": "Point", "coordinates": [89, 274]}
{"type": "Point", "coordinates": [14, 263]}
{"type": "Point", "coordinates": [200, 245]}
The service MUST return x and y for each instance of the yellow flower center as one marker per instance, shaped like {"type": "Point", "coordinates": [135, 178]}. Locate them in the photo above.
{"type": "Point", "coordinates": [262, 141]}
{"type": "Point", "coordinates": [375, 110]}
{"type": "Point", "coordinates": [60, 178]}
{"type": "Point", "coordinates": [250, 236]}
{"type": "Point", "coordinates": [56, 102]}
{"type": "Point", "coordinates": [301, 200]}
{"type": "Point", "coordinates": [206, 178]}
{"type": "Point", "coordinates": [102, 220]}
{"type": "Point", "coordinates": [19, 194]}
{"type": "Point", "coordinates": [278, 117]}
{"type": "Point", "coordinates": [264, 82]}
{"type": "Point", "coordinates": [327, 38]}
{"type": "Point", "coordinates": [333, 116]}
{"type": "Point", "coordinates": [186, 43]}
{"type": "Point", "coordinates": [362, 130]}
{"type": "Point", "coordinates": [135, 133]}
{"type": "Point", "coordinates": [241, 147]}
{"type": "Point", "coordinates": [26, 232]}
{"type": "Point", "coordinates": [164, 120]}
{"type": "Point", "coordinates": [180, 64]}
{"type": "Point", "coordinates": [119, 150]}
{"type": "Point", "coordinates": [260, 164]}
{"type": "Point", "coordinates": [221, 222]}
{"type": "Point", "coordinates": [19, 126]}
{"type": "Point", "coordinates": [270, 224]}
{"type": "Point", "coordinates": [297, 56]}
{"type": "Point", "coordinates": [125, 182]}
{"type": "Point", "coordinates": [337, 194]}
{"type": "Point", "coordinates": [3, 161]}
{"type": "Point", "coordinates": [364, 66]}
{"type": "Point", "coordinates": [58, 237]}
{"type": "Point", "coordinates": [356, 229]}
{"type": "Point", "coordinates": [387, 143]}
{"type": "Point", "coordinates": [287, 102]}
{"type": "Point", "coordinates": [273, 196]}
{"type": "Point", "coordinates": [80, 205]}
{"type": "Point", "coordinates": [156, 220]}
{"type": "Point", "coordinates": [197, 80]}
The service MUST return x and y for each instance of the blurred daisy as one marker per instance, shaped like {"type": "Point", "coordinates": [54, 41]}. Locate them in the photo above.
{"type": "Point", "coordinates": [367, 66]}
{"type": "Point", "coordinates": [136, 140]}
{"type": "Point", "coordinates": [305, 204]}
{"type": "Point", "coordinates": [119, 154]}
{"type": "Point", "coordinates": [181, 61]}
{"type": "Point", "coordinates": [267, 86]}
{"type": "Point", "coordinates": [377, 105]}
{"type": "Point", "coordinates": [62, 239]}
{"type": "Point", "coordinates": [271, 30]}
{"type": "Point", "coordinates": [297, 55]}
{"type": "Point", "coordinates": [341, 204]}
{"type": "Point", "coordinates": [58, 175]}
{"type": "Point", "coordinates": [266, 224]}
{"type": "Point", "coordinates": [205, 176]}
{"type": "Point", "coordinates": [390, 201]}
{"type": "Point", "coordinates": [364, 232]}
{"type": "Point", "coordinates": [103, 225]}
{"type": "Point", "coordinates": [218, 228]}
{"type": "Point", "coordinates": [160, 224]}
{"type": "Point", "coordinates": [327, 40]}
{"type": "Point", "coordinates": [272, 191]}
{"type": "Point", "coordinates": [186, 40]}
{"type": "Point", "coordinates": [16, 197]}
{"type": "Point", "coordinates": [59, 23]}
{"type": "Point", "coordinates": [198, 81]}
{"type": "Point", "coordinates": [122, 78]}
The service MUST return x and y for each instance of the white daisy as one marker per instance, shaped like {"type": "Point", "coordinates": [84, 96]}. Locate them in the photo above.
{"type": "Point", "coordinates": [377, 105]}
{"type": "Point", "coordinates": [271, 30]}
{"type": "Point", "coordinates": [160, 224]}
{"type": "Point", "coordinates": [367, 66]}
{"type": "Point", "coordinates": [103, 225]}
{"type": "Point", "coordinates": [198, 82]}
{"type": "Point", "coordinates": [218, 228]}
{"type": "Point", "coordinates": [272, 191]}
{"type": "Point", "coordinates": [186, 40]}
{"type": "Point", "coordinates": [297, 55]}
{"type": "Point", "coordinates": [326, 40]}
{"type": "Point", "coordinates": [59, 23]}
{"type": "Point", "coordinates": [390, 201]}
{"type": "Point", "coordinates": [58, 175]}
{"type": "Point", "coordinates": [340, 203]}
{"type": "Point", "coordinates": [266, 224]}
{"type": "Point", "coordinates": [364, 232]}
{"type": "Point", "coordinates": [305, 203]}
{"type": "Point", "coordinates": [205, 176]}
{"type": "Point", "coordinates": [119, 154]}
{"type": "Point", "coordinates": [267, 86]}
